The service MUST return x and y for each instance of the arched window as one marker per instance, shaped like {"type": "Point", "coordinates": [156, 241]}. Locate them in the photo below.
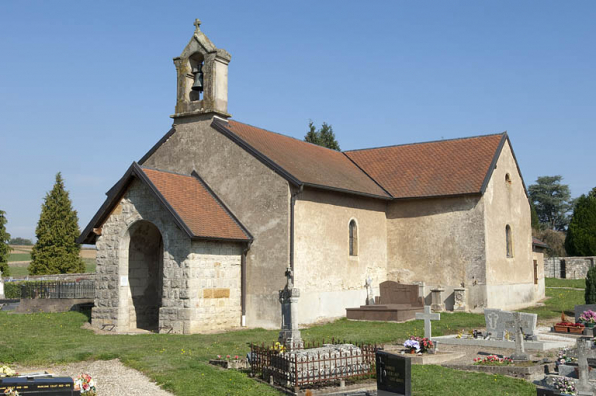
{"type": "Point", "coordinates": [509, 240]}
{"type": "Point", "coordinates": [353, 238]}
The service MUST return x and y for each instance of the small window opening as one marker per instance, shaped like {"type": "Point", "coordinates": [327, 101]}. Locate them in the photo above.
{"type": "Point", "coordinates": [353, 238]}
{"type": "Point", "coordinates": [509, 240]}
{"type": "Point", "coordinates": [535, 272]}
{"type": "Point", "coordinates": [508, 178]}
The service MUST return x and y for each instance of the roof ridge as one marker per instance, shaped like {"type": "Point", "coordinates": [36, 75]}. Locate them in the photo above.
{"type": "Point", "coordinates": [428, 142]}
{"type": "Point", "coordinates": [287, 136]}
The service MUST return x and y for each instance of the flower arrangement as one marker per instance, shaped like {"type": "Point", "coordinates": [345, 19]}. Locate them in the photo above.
{"type": "Point", "coordinates": [6, 371]}
{"type": "Point", "coordinates": [11, 392]}
{"type": "Point", "coordinates": [564, 386]}
{"type": "Point", "coordinates": [412, 346]}
{"type": "Point", "coordinates": [85, 384]}
{"type": "Point", "coordinates": [277, 347]}
{"type": "Point", "coordinates": [563, 358]}
{"type": "Point", "coordinates": [588, 316]}
{"type": "Point", "coordinates": [418, 344]}
{"type": "Point", "coordinates": [228, 357]}
{"type": "Point", "coordinates": [492, 360]}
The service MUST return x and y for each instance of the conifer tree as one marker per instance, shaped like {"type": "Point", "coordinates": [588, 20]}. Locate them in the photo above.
{"type": "Point", "coordinates": [581, 233]}
{"type": "Point", "coordinates": [590, 293]}
{"type": "Point", "coordinates": [323, 137]}
{"type": "Point", "coordinates": [4, 248]}
{"type": "Point", "coordinates": [56, 250]}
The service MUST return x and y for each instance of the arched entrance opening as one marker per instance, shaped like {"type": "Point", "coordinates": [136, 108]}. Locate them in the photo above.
{"type": "Point", "coordinates": [145, 275]}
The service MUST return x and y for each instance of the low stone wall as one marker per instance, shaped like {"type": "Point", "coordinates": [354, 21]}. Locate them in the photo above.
{"type": "Point", "coordinates": [568, 267]}
{"type": "Point", "coordinates": [51, 305]}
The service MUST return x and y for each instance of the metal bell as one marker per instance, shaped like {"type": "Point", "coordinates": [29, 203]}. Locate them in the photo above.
{"type": "Point", "coordinates": [198, 72]}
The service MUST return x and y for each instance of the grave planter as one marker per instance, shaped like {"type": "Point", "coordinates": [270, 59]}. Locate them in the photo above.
{"type": "Point", "coordinates": [230, 364]}
{"type": "Point", "coordinates": [561, 329]}
{"type": "Point", "coordinates": [576, 330]}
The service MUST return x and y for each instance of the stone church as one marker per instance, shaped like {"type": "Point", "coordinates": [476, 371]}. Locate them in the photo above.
{"type": "Point", "coordinates": [197, 235]}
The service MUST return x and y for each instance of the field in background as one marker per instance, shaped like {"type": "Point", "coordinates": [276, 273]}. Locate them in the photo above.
{"type": "Point", "coordinates": [21, 255]}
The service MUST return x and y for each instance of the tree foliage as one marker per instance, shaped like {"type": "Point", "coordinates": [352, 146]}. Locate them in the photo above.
{"type": "Point", "coordinates": [552, 201]}
{"type": "Point", "coordinates": [21, 241]}
{"type": "Point", "coordinates": [56, 250]}
{"type": "Point", "coordinates": [534, 217]}
{"type": "Point", "coordinates": [555, 241]}
{"type": "Point", "coordinates": [4, 248]}
{"type": "Point", "coordinates": [590, 293]}
{"type": "Point", "coordinates": [323, 137]}
{"type": "Point", "coordinates": [581, 234]}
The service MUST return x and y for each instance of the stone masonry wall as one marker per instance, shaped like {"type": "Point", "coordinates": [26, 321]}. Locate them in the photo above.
{"type": "Point", "coordinates": [215, 282]}
{"type": "Point", "coordinates": [573, 267]}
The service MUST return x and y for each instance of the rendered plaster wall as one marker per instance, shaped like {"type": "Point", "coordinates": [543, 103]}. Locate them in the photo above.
{"type": "Point", "coordinates": [510, 280]}
{"type": "Point", "coordinates": [254, 193]}
{"type": "Point", "coordinates": [438, 241]}
{"type": "Point", "coordinates": [538, 259]}
{"type": "Point", "coordinates": [113, 296]}
{"type": "Point", "coordinates": [329, 279]}
{"type": "Point", "coordinates": [568, 267]}
{"type": "Point", "coordinates": [214, 281]}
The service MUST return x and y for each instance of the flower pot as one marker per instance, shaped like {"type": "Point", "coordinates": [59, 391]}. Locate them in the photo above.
{"type": "Point", "coordinates": [590, 325]}
{"type": "Point", "coordinates": [576, 330]}
{"type": "Point", "coordinates": [561, 329]}
{"type": "Point", "coordinates": [412, 351]}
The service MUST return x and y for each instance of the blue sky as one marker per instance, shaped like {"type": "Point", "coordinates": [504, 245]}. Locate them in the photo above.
{"type": "Point", "coordinates": [88, 87]}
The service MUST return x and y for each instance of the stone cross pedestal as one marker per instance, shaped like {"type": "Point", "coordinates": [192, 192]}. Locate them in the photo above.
{"type": "Point", "coordinates": [427, 316]}
{"type": "Point", "coordinates": [289, 336]}
{"type": "Point", "coordinates": [437, 299]}
{"type": "Point", "coordinates": [459, 297]}
{"type": "Point", "coordinates": [370, 298]}
{"type": "Point", "coordinates": [520, 353]}
{"type": "Point", "coordinates": [584, 351]}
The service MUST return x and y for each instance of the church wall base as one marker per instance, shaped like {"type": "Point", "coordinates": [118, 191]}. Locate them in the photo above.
{"type": "Point", "coordinates": [514, 296]}
{"type": "Point", "coordinates": [330, 304]}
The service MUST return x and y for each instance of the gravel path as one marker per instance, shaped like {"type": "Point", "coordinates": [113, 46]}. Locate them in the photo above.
{"type": "Point", "coordinates": [112, 377]}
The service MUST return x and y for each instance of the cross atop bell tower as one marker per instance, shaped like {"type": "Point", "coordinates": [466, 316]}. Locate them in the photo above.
{"type": "Point", "coordinates": [202, 72]}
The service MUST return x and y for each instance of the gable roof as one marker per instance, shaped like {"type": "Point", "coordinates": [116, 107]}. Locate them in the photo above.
{"type": "Point", "coordinates": [301, 163]}
{"type": "Point", "coordinates": [538, 243]}
{"type": "Point", "coordinates": [193, 205]}
{"type": "Point", "coordinates": [440, 168]}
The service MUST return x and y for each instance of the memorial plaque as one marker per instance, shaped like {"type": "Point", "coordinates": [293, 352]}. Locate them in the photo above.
{"type": "Point", "coordinates": [54, 386]}
{"type": "Point", "coordinates": [394, 374]}
{"type": "Point", "coordinates": [545, 392]}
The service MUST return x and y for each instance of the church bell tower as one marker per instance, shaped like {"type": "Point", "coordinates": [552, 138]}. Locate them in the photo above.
{"type": "Point", "coordinates": [202, 71]}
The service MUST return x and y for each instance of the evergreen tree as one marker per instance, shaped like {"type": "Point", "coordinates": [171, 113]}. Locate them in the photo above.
{"type": "Point", "coordinates": [590, 294]}
{"type": "Point", "coordinates": [552, 201]}
{"type": "Point", "coordinates": [581, 234]}
{"type": "Point", "coordinates": [323, 137]}
{"type": "Point", "coordinates": [56, 250]}
{"type": "Point", "coordinates": [534, 217]}
{"type": "Point", "coordinates": [4, 248]}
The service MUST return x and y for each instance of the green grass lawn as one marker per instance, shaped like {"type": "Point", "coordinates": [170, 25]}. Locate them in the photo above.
{"type": "Point", "coordinates": [556, 282]}
{"type": "Point", "coordinates": [180, 363]}
{"type": "Point", "coordinates": [22, 271]}
{"type": "Point", "coordinates": [19, 257]}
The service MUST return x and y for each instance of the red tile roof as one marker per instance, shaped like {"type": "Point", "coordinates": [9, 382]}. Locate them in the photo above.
{"type": "Point", "coordinates": [196, 205]}
{"type": "Point", "coordinates": [308, 163]}
{"type": "Point", "coordinates": [447, 167]}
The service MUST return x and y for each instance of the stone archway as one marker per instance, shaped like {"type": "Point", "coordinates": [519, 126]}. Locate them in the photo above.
{"type": "Point", "coordinates": [145, 276]}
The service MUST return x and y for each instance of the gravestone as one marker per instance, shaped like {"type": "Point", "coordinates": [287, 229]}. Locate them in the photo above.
{"type": "Point", "coordinates": [427, 316]}
{"type": "Point", "coordinates": [34, 386]}
{"type": "Point", "coordinates": [397, 293]}
{"type": "Point", "coordinates": [397, 302]}
{"type": "Point", "coordinates": [520, 353]}
{"type": "Point", "coordinates": [579, 309]}
{"type": "Point", "coordinates": [497, 323]}
{"type": "Point", "coordinates": [1, 285]}
{"type": "Point", "coordinates": [584, 352]}
{"type": "Point", "coordinates": [394, 374]}
{"type": "Point", "coordinates": [289, 336]}
{"type": "Point", "coordinates": [545, 392]}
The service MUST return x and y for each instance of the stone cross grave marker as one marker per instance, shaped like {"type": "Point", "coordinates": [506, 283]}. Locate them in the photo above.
{"type": "Point", "coordinates": [370, 298]}
{"type": "Point", "coordinates": [584, 352]}
{"type": "Point", "coordinates": [498, 322]}
{"type": "Point", "coordinates": [516, 324]}
{"type": "Point", "coordinates": [427, 316]}
{"type": "Point", "coordinates": [394, 374]}
{"type": "Point", "coordinates": [289, 336]}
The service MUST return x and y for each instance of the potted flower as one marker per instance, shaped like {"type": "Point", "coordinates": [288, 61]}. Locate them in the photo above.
{"type": "Point", "coordinates": [563, 325]}
{"type": "Point", "coordinates": [412, 346]}
{"type": "Point", "coordinates": [588, 318]}
{"type": "Point", "coordinates": [424, 344]}
{"type": "Point", "coordinates": [85, 384]}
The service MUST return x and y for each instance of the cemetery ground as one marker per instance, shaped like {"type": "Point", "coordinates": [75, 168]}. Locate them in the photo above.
{"type": "Point", "coordinates": [179, 363]}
